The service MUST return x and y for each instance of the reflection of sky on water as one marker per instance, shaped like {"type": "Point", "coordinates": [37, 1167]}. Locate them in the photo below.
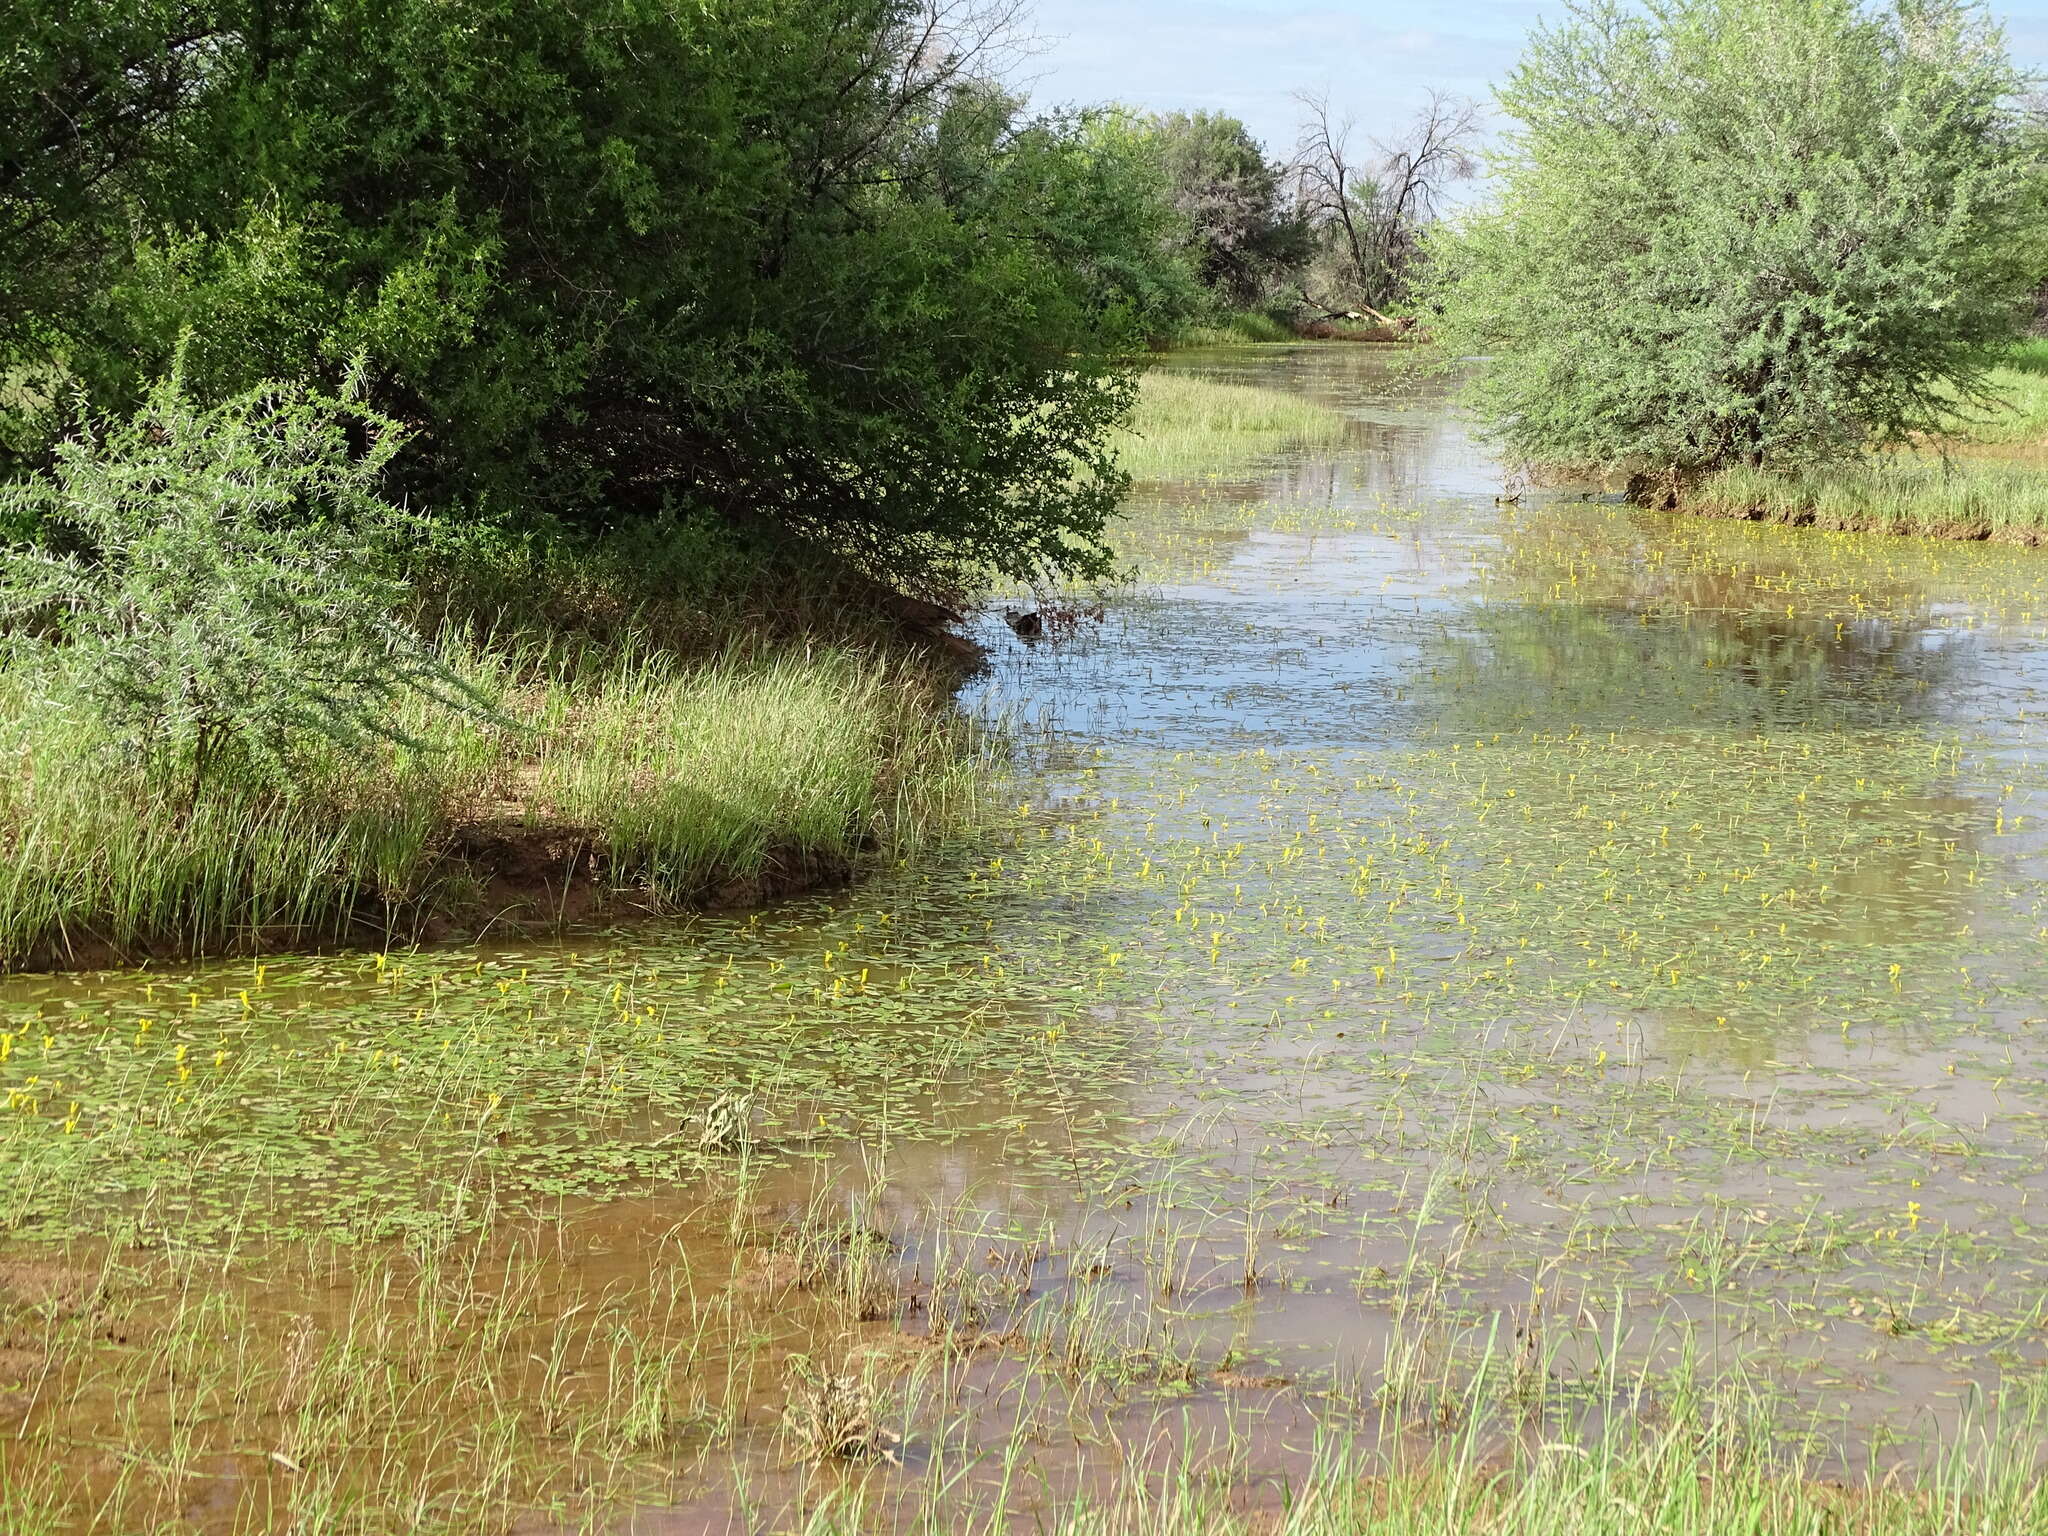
{"type": "Point", "coordinates": [1285, 696]}
{"type": "Point", "coordinates": [1380, 601]}
{"type": "Point", "coordinates": [1316, 634]}
{"type": "Point", "coordinates": [1286, 637]}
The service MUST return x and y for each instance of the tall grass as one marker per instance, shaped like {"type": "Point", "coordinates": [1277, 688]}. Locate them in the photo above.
{"type": "Point", "coordinates": [1901, 493]}
{"type": "Point", "coordinates": [1967, 485]}
{"type": "Point", "coordinates": [1185, 425]}
{"type": "Point", "coordinates": [720, 768]}
{"type": "Point", "coordinates": [682, 776]}
{"type": "Point", "coordinates": [2020, 383]}
{"type": "Point", "coordinates": [1234, 329]}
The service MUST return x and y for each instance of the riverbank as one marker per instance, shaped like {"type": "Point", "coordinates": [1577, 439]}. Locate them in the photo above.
{"type": "Point", "coordinates": [665, 732]}
{"type": "Point", "coordinates": [631, 765]}
{"type": "Point", "coordinates": [1987, 481]}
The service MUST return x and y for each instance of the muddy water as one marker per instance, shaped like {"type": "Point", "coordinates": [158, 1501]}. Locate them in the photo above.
{"type": "Point", "coordinates": [1685, 875]}
{"type": "Point", "coordinates": [1460, 954]}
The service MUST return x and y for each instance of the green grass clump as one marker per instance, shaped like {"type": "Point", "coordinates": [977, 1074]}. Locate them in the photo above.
{"type": "Point", "coordinates": [1905, 493]}
{"type": "Point", "coordinates": [682, 776]}
{"type": "Point", "coordinates": [1235, 329]}
{"type": "Point", "coordinates": [1186, 425]}
{"type": "Point", "coordinates": [2020, 384]}
{"type": "Point", "coordinates": [1958, 491]}
{"type": "Point", "coordinates": [723, 767]}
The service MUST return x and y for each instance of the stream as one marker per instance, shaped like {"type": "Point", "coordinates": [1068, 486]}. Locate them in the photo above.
{"type": "Point", "coordinates": [1455, 958]}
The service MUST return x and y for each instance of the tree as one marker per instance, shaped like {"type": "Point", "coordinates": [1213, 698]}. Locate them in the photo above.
{"type": "Point", "coordinates": [1367, 217]}
{"type": "Point", "coordinates": [1239, 236]}
{"type": "Point", "coordinates": [797, 264]}
{"type": "Point", "coordinates": [1745, 231]}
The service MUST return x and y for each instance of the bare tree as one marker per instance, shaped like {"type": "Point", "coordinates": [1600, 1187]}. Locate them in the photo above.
{"type": "Point", "coordinates": [1369, 212]}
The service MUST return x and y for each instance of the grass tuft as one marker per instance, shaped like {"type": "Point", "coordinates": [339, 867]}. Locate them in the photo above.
{"type": "Point", "coordinates": [1235, 329]}
{"type": "Point", "coordinates": [1955, 498]}
{"type": "Point", "coordinates": [1186, 425]}
{"type": "Point", "coordinates": [680, 778]}
{"type": "Point", "coordinates": [1981, 482]}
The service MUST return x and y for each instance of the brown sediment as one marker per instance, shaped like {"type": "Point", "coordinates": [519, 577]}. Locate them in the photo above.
{"type": "Point", "coordinates": [559, 1292]}
{"type": "Point", "coordinates": [309, 1353]}
{"type": "Point", "coordinates": [554, 875]}
{"type": "Point", "coordinates": [39, 1298]}
{"type": "Point", "coordinates": [47, 1288]}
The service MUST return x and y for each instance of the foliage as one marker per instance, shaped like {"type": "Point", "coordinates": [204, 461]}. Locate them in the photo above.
{"type": "Point", "coordinates": [210, 579]}
{"type": "Point", "coordinates": [88, 89]}
{"type": "Point", "coordinates": [1744, 231]}
{"type": "Point", "coordinates": [1239, 235]}
{"type": "Point", "coordinates": [793, 263]}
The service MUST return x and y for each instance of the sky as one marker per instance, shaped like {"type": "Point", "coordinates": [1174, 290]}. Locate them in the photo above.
{"type": "Point", "coordinates": [1377, 59]}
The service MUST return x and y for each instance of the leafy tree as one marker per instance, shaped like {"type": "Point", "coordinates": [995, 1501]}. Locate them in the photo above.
{"type": "Point", "coordinates": [215, 579]}
{"type": "Point", "coordinates": [89, 91]}
{"type": "Point", "coordinates": [1238, 234]}
{"type": "Point", "coordinates": [793, 263]}
{"type": "Point", "coordinates": [1745, 231]}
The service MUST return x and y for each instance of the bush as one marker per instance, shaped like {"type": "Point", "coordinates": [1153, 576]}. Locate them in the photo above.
{"type": "Point", "coordinates": [216, 580]}
{"type": "Point", "coordinates": [1745, 232]}
{"type": "Point", "coordinates": [1232, 226]}
{"type": "Point", "coordinates": [793, 264]}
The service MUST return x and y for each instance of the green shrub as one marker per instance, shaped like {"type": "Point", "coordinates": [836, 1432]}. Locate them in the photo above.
{"type": "Point", "coordinates": [785, 262]}
{"type": "Point", "coordinates": [217, 580]}
{"type": "Point", "coordinates": [1234, 229]}
{"type": "Point", "coordinates": [1745, 232]}
{"type": "Point", "coordinates": [2016, 411]}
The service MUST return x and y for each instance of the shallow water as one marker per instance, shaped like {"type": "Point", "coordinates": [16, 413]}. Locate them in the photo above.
{"type": "Point", "coordinates": [1438, 941]}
